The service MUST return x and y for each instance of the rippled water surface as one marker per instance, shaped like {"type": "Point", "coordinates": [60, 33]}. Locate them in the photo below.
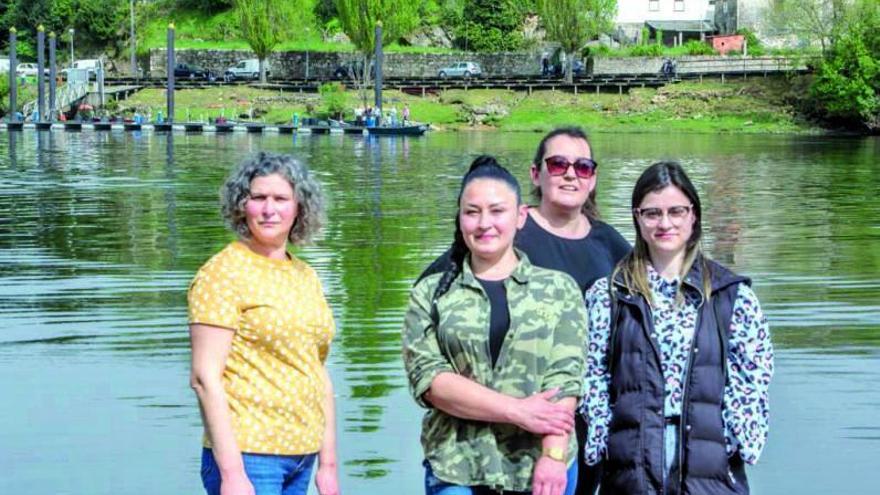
{"type": "Point", "coordinates": [100, 234]}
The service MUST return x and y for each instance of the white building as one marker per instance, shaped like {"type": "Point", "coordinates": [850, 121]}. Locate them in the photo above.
{"type": "Point", "coordinates": [678, 19]}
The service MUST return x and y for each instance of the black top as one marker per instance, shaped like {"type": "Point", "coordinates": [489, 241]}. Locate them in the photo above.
{"type": "Point", "coordinates": [586, 259]}
{"type": "Point", "coordinates": [499, 315]}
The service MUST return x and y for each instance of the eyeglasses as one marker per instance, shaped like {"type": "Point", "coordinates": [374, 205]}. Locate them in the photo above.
{"type": "Point", "coordinates": [558, 165]}
{"type": "Point", "coordinates": [652, 216]}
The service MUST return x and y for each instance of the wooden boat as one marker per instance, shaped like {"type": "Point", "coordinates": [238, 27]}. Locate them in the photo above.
{"type": "Point", "coordinates": [253, 127]}
{"type": "Point", "coordinates": [163, 127]}
{"type": "Point", "coordinates": [351, 127]}
{"type": "Point", "coordinates": [43, 126]}
{"type": "Point", "coordinates": [73, 126]}
{"type": "Point", "coordinates": [193, 126]}
{"type": "Point", "coordinates": [131, 126]}
{"type": "Point", "coordinates": [14, 126]}
{"type": "Point", "coordinates": [102, 126]}
{"type": "Point", "coordinates": [225, 127]}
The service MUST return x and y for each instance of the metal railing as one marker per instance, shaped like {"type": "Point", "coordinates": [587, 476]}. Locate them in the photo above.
{"type": "Point", "coordinates": [65, 96]}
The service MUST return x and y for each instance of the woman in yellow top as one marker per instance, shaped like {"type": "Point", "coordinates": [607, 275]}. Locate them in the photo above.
{"type": "Point", "coordinates": [260, 331]}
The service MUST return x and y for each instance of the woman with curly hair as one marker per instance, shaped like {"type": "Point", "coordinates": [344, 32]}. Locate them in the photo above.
{"type": "Point", "coordinates": [260, 332]}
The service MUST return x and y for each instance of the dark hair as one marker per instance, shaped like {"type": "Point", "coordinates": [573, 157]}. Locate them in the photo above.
{"type": "Point", "coordinates": [589, 208]}
{"type": "Point", "coordinates": [483, 167]}
{"type": "Point", "coordinates": [655, 178]}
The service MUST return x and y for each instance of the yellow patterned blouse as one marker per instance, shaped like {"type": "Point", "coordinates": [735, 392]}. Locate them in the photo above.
{"type": "Point", "coordinates": [283, 328]}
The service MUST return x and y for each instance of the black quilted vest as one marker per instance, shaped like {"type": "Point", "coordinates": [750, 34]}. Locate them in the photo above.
{"type": "Point", "coordinates": [635, 457]}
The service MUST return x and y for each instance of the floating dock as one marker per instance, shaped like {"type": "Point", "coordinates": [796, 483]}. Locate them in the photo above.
{"type": "Point", "coordinates": [201, 127]}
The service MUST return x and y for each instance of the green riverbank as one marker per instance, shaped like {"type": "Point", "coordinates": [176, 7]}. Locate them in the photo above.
{"type": "Point", "coordinates": [753, 106]}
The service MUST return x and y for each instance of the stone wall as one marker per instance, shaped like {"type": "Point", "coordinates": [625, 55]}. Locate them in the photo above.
{"type": "Point", "coordinates": [694, 65]}
{"type": "Point", "coordinates": [321, 65]}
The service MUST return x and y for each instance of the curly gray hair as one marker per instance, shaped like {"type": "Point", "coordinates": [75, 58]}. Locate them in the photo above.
{"type": "Point", "coordinates": [307, 191]}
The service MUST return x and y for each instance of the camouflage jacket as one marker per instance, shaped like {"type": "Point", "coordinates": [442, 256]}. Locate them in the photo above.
{"type": "Point", "coordinates": [543, 349]}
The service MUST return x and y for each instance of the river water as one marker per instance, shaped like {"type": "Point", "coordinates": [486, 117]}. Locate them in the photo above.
{"type": "Point", "coordinates": [100, 234]}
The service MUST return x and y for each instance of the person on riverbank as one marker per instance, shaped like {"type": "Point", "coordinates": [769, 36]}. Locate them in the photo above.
{"type": "Point", "coordinates": [260, 332]}
{"type": "Point", "coordinates": [564, 232]}
{"type": "Point", "coordinates": [679, 358]}
{"type": "Point", "coordinates": [493, 348]}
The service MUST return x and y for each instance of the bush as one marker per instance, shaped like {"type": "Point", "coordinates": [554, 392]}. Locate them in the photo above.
{"type": "Point", "coordinates": [753, 44]}
{"type": "Point", "coordinates": [694, 47]}
{"type": "Point", "coordinates": [333, 96]}
{"type": "Point", "coordinates": [651, 50]}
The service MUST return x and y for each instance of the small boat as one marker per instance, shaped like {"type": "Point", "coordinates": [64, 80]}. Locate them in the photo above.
{"type": "Point", "coordinates": [193, 126]}
{"type": "Point", "coordinates": [254, 127]}
{"type": "Point", "coordinates": [163, 127]}
{"type": "Point", "coordinates": [102, 126]}
{"type": "Point", "coordinates": [14, 126]}
{"type": "Point", "coordinates": [287, 129]}
{"type": "Point", "coordinates": [131, 126]}
{"type": "Point", "coordinates": [43, 126]}
{"type": "Point", "coordinates": [73, 126]}
{"type": "Point", "coordinates": [408, 130]}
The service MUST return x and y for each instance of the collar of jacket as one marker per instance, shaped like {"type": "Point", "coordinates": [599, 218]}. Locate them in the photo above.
{"type": "Point", "coordinates": [520, 274]}
{"type": "Point", "coordinates": [721, 278]}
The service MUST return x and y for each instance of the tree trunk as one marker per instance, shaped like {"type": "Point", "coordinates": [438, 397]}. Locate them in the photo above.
{"type": "Point", "coordinates": [263, 70]}
{"type": "Point", "coordinates": [569, 72]}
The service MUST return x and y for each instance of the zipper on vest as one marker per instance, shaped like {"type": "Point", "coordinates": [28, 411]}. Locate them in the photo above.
{"type": "Point", "coordinates": [682, 428]}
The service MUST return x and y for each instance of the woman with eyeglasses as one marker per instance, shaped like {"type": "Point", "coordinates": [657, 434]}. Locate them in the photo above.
{"type": "Point", "coordinates": [564, 232]}
{"type": "Point", "coordinates": [679, 358]}
{"type": "Point", "coordinates": [493, 349]}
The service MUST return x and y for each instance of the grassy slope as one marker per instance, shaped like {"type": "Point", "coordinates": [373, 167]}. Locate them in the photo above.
{"type": "Point", "coordinates": [195, 30]}
{"type": "Point", "coordinates": [755, 106]}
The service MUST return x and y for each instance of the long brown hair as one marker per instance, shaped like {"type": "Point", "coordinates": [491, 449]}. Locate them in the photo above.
{"type": "Point", "coordinates": [634, 267]}
{"type": "Point", "coordinates": [589, 208]}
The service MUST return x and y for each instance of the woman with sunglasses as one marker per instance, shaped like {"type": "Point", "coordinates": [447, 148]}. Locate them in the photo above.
{"type": "Point", "coordinates": [493, 348]}
{"type": "Point", "coordinates": [679, 357]}
{"type": "Point", "coordinates": [564, 232]}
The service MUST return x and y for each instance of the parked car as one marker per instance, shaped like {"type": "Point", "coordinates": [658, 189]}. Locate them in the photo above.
{"type": "Point", "coordinates": [461, 69]}
{"type": "Point", "coordinates": [187, 71]}
{"type": "Point", "coordinates": [246, 69]}
{"type": "Point", "coordinates": [29, 70]}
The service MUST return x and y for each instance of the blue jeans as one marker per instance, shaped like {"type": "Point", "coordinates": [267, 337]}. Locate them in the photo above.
{"type": "Point", "coordinates": [270, 474]}
{"type": "Point", "coordinates": [436, 486]}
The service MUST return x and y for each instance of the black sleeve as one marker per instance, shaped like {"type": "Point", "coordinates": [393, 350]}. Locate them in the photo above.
{"type": "Point", "coordinates": [618, 246]}
{"type": "Point", "coordinates": [441, 264]}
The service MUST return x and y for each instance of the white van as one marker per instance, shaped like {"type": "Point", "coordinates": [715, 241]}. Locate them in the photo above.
{"type": "Point", "coordinates": [92, 65]}
{"type": "Point", "coordinates": [246, 69]}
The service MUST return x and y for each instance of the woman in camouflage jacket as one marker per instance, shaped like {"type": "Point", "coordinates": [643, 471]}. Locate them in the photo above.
{"type": "Point", "coordinates": [493, 348]}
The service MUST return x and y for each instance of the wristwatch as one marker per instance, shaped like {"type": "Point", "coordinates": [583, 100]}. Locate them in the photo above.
{"type": "Point", "coordinates": [555, 453]}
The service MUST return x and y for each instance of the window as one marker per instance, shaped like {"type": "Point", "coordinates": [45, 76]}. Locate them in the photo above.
{"type": "Point", "coordinates": [654, 5]}
{"type": "Point", "coordinates": [679, 5]}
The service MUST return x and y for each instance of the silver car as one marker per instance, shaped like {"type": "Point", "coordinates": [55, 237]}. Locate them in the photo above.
{"type": "Point", "coordinates": [461, 69]}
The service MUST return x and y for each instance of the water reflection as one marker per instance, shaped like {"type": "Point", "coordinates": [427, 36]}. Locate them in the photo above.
{"type": "Point", "coordinates": [101, 232]}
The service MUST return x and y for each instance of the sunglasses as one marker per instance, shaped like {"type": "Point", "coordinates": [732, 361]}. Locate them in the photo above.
{"type": "Point", "coordinates": [584, 168]}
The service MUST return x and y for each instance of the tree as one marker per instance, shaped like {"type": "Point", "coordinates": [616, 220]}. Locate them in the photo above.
{"type": "Point", "coordinates": [491, 25]}
{"type": "Point", "coordinates": [359, 19]}
{"type": "Point", "coordinates": [263, 24]}
{"type": "Point", "coordinates": [574, 22]}
{"type": "Point", "coordinates": [847, 84]}
{"type": "Point", "coordinates": [812, 21]}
